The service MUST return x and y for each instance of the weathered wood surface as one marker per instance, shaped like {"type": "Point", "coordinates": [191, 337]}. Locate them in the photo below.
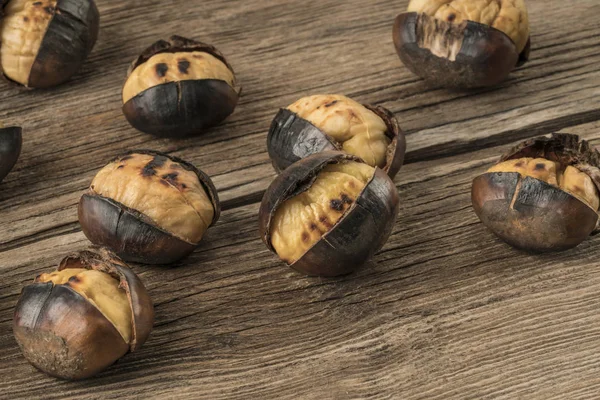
{"type": "Point", "coordinates": [444, 311]}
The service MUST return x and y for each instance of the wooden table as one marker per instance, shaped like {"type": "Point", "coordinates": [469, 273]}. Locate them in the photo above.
{"type": "Point", "coordinates": [444, 311]}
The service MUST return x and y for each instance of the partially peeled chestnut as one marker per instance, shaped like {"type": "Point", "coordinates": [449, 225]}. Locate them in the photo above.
{"type": "Point", "coordinates": [179, 88]}
{"type": "Point", "coordinates": [149, 207]}
{"type": "Point", "coordinates": [328, 214]}
{"type": "Point", "coordinates": [10, 148]}
{"type": "Point", "coordinates": [334, 122]}
{"type": "Point", "coordinates": [543, 195]}
{"type": "Point", "coordinates": [45, 42]}
{"type": "Point", "coordinates": [78, 320]}
{"type": "Point", "coordinates": [463, 43]}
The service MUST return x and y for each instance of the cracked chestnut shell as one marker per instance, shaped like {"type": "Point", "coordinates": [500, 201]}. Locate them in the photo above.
{"type": "Point", "coordinates": [10, 149]}
{"type": "Point", "coordinates": [179, 88]}
{"type": "Point", "coordinates": [334, 122]}
{"type": "Point", "coordinates": [543, 195]}
{"type": "Point", "coordinates": [328, 213]}
{"type": "Point", "coordinates": [149, 207]}
{"type": "Point", "coordinates": [77, 321]}
{"type": "Point", "coordinates": [44, 43]}
{"type": "Point", "coordinates": [463, 43]}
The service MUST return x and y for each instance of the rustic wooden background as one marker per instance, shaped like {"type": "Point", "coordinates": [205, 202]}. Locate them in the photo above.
{"type": "Point", "coordinates": [444, 311]}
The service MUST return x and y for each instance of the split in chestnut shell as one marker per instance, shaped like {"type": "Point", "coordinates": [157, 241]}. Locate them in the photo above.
{"type": "Point", "coordinates": [192, 88]}
{"type": "Point", "coordinates": [292, 137]}
{"type": "Point", "coordinates": [445, 47]}
{"type": "Point", "coordinates": [349, 242]}
{"type": "Point", "coordinates": [167, 206]}
{"type": "Point", "coordinates": [68, 327]}
{"type": "Point", "coordinates": [532, 214]}
{"type": "Point", "coordinates": [44, 43]}
{"type": "Point", "coordinates": [10, 148]}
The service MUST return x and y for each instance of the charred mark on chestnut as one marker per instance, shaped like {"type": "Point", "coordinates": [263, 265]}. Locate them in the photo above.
{"type": "Point", "coordinates": [542, 206]}
{"type": "Point", "coordinates": [11, 140]}
{"type": "Point", "coordinates": [306, 127]}
{"type": "Point", "coordinates": [161, 226]}
{"type": "Point", "coordinates": [161, 69]}
{"type": "Point", "coordinates": [77, 321]}
{"type": "Point", "coordinates": [357, 232]}
{"type": "Point", "coordinates": [200, 90]}
{"type": "Point", "coordinates": [447, 49]}
{"type": "Point", "coordinates": [48, 44]}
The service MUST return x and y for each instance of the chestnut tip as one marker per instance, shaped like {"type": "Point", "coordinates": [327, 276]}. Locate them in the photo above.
{"type": "Point", "coordinates": [130, 234]}
{"type": "Point", "coordinates": [182, 108]}
{"type": "Point", "coordinates": [482, 56]}
{"type": "Point", "coordinates": [11, 140]}
{"type": "Point", "coordinates": [64, 335]}
{"type": "Point", "coordinates": [530, 214]}
{"type": "Point", "coordinates": [292, 138]}
{"type": "Point", "coordinates": [356, 237]}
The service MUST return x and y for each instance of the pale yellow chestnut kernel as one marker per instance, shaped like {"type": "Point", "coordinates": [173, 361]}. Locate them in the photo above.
{"type": "Point", "coordinates": [102, 291]}
{"type": "Point", "coordinates": [359, 130]}
{"type": "Point", "coordinates": [174, 67]}
{"type": "Point", "coordinates": [161, 189]}
{"type": "Point", "coordinates": [508, 16]}
{"type": "Point", "coordinates": [22, 30]}
{"type": "Point", "coordinates": [571, 180]}
{"type": "Point", "coordinates": [301, 221]}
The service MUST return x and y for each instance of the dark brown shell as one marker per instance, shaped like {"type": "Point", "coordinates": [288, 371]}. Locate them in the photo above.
{"type": "Point", "coordinates": [183, 108]}
{"type": "Point", "coordinates": [531, 214]}
{"type": "Point", "coordinates": [71, 36]}
{"type": "Point", "coordinates": [64, 335]}
{"type": "Point", "coordinates": [131, 234]}
{"type": "Point", "coordinates": [356, 237]}
{"type": "Point", "coordinates": [292, 138]}
{"type": "Point", "coordinates": [486, 58]}
{"type": "Point", "coordinates": [10, 148]}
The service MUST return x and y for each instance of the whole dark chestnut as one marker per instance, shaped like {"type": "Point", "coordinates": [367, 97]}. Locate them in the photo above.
{"type": "Point", "coordinates": [44, 43]}
{"type": "Point", "coordinates": [333, 122]}
{"type": "Point", "coordinates": [328, 213]}
{"type": "Point", "coordinates": [179, 88]}
{"type": "Point", "coordinates": [543, 195]}
{"type": "Point", "coordinates": [149, 207]}
{"type": "Point", "coordinates": [80, 319]}
{"type": "Point", "coordinates": [463, 43]}
{"type": "Point", "coordinates": [10, 149]}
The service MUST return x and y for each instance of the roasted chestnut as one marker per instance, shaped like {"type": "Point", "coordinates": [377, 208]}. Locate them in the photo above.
{"type": "Point", "coordinates": [333, 122]}
{"type": "Point", "coordinates": [463, 43]}
{"type": "Point", "coordinates": [10, 149]}
{"type": "Point", "coordinates": [328, 213]}
{"type": "Point", "coordinates": [543, 195]}
{"type": "Point", "coordinates": [179, 88]}
{"type": "Point", "coordinates": [149, 207]}
{"type": "Point", "coordinates": [44, 43]}
{"type": "Point", "coordinates": [80, 319]}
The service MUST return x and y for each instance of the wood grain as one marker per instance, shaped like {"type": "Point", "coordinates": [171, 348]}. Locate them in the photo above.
{"type": "Point", "coordinates": [444, 311]}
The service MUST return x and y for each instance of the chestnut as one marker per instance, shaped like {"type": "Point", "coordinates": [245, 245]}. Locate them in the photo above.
{"type": "Point", "coordinates": [178, 88]}
{"type": "Point", "coordinates": [78, 320]}
{"type": "Point", "coordinates": [328, 213]}
{"type": "Point", "coordinates": [149, 207]}
{"type": "Point", "coordinates": [463, 43]}
{"type": "Point", "coordinates": [543, 195]}
{"type": "Point", "coordinates": [10, 149]}
{"type": "Point", "coordinates": [333, 122]}
{"type": "Point", "coordinates": [44, 43]}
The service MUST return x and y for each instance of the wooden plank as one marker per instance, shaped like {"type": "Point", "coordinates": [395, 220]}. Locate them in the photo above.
{"type": "Point", "coordinates": [72, 131]}
{"type": "Point", "coordinates": [444, 311]}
